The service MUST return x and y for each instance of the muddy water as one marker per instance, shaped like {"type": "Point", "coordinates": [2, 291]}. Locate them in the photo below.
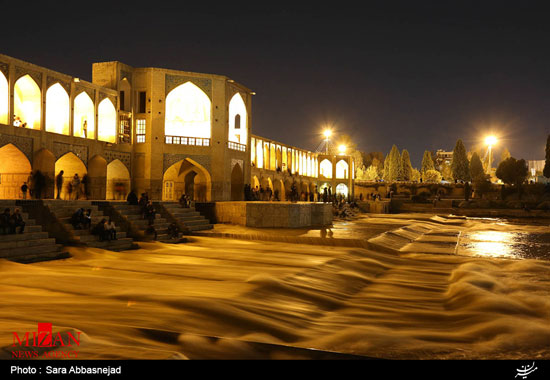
{"type": "Point", "coordinates": [162, 301]}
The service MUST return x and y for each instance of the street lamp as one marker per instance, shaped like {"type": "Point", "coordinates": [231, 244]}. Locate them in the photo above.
{"type": "Point", "coordinates": [490, 141]}
{"type": "Point", "coordinates": [342, 149]}
{"type": "Point", "coordinates": [327, 134]}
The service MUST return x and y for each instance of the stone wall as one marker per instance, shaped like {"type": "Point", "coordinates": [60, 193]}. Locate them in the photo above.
{"type": "Point", "coordinates": [274, 214]}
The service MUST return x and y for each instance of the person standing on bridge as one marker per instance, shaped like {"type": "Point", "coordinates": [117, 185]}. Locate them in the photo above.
{"type": "Point", "coordinates": [59, 183]}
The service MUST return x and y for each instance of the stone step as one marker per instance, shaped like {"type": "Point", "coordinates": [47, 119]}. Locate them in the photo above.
{"type": "Point", "coordinates": [138, 216]}
{"type": "Point", "coordinates": [113, 245]}
{"type": "Point", "coordinates": [93, 238]}
{"type": "Point", "coordinates": [197, 222]}
{"type": "Point", "coordinates": [29, 243]}
{"type": "Point", "coordinates": [37, 250]}
{"type": "Point", "coordinates": [86, 231]}
{"type": "Point", "coordinates": [24, 236]}
{"type": "Point", "coordinates": [201, 228]}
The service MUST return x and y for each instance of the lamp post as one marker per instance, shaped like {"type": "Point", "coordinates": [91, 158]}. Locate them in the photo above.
{"type": "Point", "coordinates": [490, 141]}
{"type": "Point", "coordinates": [327, 134]}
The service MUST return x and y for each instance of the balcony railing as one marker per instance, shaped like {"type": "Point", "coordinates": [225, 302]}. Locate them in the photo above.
{"type": "Point", "coordinates": [179, 140]}
{"type": "Point", "coordinates": [236, 146]}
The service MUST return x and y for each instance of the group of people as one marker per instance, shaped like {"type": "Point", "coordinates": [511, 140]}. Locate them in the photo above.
{"type": "Point", "coordinates": [105, 229]}
{"type": "Point", "coordinates": [10, 222]}
{"type": "Point", "coordinates": [81, 219]}
{"type": "Point", "coordinates": [17, 122]}
{"type": "Point", "coordinates": [34, 186]}
{"type": "Point", "coordinates": [76, 188]}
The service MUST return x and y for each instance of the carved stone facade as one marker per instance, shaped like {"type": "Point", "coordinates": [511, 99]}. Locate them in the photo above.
{"type": "Point", "coordinates": [24, 144]}
{"type": "Point", "coordinates": [81, 151]}
{"type": "Point", "coordinates": [171, 159]}
{"type": "Point", "coordinates": [173, 81]}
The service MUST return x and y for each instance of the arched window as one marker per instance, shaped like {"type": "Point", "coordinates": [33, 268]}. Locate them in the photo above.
{"type": "Point", "coordinates": [326, 168]}
{"type": "Point", "coordinates": [106, 121]}
{"type": "Point", "coordinates": [84, 116]}
{"type": "Point", "coordinates": [342, 189]}
{"type": "Point", "coordinates": [57, 110]}
{"type": "Point", "coordinates": [26, 103]}
{"type": "Point", "coordinates": [259, 154]}
{"type": "Point", "coordinates": [237, 120]}
{"type": "Point", "coordinates": [187, 112]}
{"type": "Point", "coordinates": [4, 99]}
{"type": "Point", "coordinates": [342, 169]}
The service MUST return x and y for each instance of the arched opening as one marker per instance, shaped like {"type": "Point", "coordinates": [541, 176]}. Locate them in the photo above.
{"type": "Point", "coordinates": [73, 172]}
{"type": "Point", "coordinates": [84, 116]}
{"type": "Point", "coordinates": [325, 169]}
{"type": "Point", "coordinates": [187, 112]}
{"type": "Point", "coordinates": [44, 161]}
{"type": "Point", "coordinates": [106, 121]}
{"type": "Point", "coordinates": [304, 194]}
{"type": "Point", "coordinates": [96, 184]}
{"type": "Point", "coordinates": [279, 163]}
{"type": "Point", "coordinates": [284, 158]}
{"type": "Point", "coordinates": [4, 99]}
{"type": "Point", "coordinates": [255, 182]}
{"type": "Point", "coordinates": [342, 189]}
{"type": "Point", "coordinates": [26, 103]}
{"type": "Point", "coordinates": [118, 180]}
{"type": "Point", "coordinates": [238, 130]}
{"type": "Point", "coordinates": [125, 95]}
{"type": "Point", "coordinates": [15, 169]}
{"type": "Point", "coordinates": [272, 158]}
{"type": "Point", "coordinates": [266, 155]}
{"type": "Point", "coordinates": [287, 188]}
{"type": "Point", "coordinates": [187, 177]}
{"type": "Point", "coordinates": [342, 169]}
{"type": "Point", "coordinates": [57, 110]}
{"type": "Point", "coordinates": [259, 154]}
{"type": "Point", "coordinates": [237, 183]}
{"type": "Point", "coordinates": [278, 190]}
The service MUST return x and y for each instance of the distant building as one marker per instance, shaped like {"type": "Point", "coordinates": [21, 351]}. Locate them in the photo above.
{"type": "Point", "coordinates": [535, 166]}
{"type": "Point", "coordinates": [442, 157]}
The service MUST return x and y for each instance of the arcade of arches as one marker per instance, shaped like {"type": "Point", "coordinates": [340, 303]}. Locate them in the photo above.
{"type": "Point", "coordinates": [186, 177]}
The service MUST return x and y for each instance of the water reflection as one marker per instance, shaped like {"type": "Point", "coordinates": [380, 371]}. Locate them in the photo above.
{"type": "Point", "coordinates": [517, 245]}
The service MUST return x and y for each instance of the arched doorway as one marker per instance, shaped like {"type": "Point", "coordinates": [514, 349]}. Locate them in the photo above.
{"type": "Point", "coordinates": [27, 102]}
{"type": "Point", "coordinates": [4, 99]}
{"type": "Point", "coordinates": [187, 177]}
{"type": "Point", "coordinates": [97, 178]}
{"type": "Point", "coordinates": [84, 116]}
{"type": "Point", "coordinates": [70, 164]}
{"type": "Point", "coordinates": [279, 190]}
{"type": "Point", "coordinates": [118, 180]}
{"type": "Point", "coordinates": [187, 112]}
{"type": "Point", "coordinates": [57, 110]}
{"type": "Point", "coordinates": [44, 161]}
{"type": "Point", "coordinates": [15, 169]}
{"type": "Point", "coordinates": [237, 183]}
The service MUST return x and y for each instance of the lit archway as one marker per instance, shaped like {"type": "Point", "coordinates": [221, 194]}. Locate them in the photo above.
{"type": "Point", "coordinates": [237, 183]}
{"type": "Point", "coordinates": [238, 128]}
{"type": "Point", "coordinates": [71, 165]}
{"type": "Point", "coordinates": [279, 190]}
{"type": "Point", "coordinates": [342, 189]}
{"type": "Point", "coordinates": [187, 112]}
{"type": "Point", "coordinates": [118, 180]}
{"type": "Point", "coordinates": [4, 99]}
{"type": "Point", "coordinates": [26, 102]}
{"type": "Point", "coordinates": [187, 177]}
{"type": "Point", "coordinates": [255, 182]}
{"type": "Point", "coordinates": [84, 116]}
{"type": "Point", "coordinates": [342, 169]}
{"type": "Point", "coordinates": [259, 155]}
{"type": "Point", "coordinates": [57, 110]}
{"type": "Point", "coordinates": [106, 121]}
{"type": "Point", "coordinates": [272, 158]}
{"type": "Point", "coordinates": [325, 168]}
{"type": "Point", "coordinates": [15, 169]}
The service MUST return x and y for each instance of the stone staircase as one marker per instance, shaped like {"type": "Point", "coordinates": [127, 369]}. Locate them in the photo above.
{"type": "Point", "coordinates": [32, 245]}
{"type": "Point", "coordinates": [132, 216]}
{"type": "Point", "coordinates": [63, 210]}
{"type": "Point", "coordinates": [187, 218]}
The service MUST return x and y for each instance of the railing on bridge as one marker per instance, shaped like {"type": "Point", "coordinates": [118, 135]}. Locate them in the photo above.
{"type": "Point", "coordinates": [180, 140]}
{"type": "Point", "coordinates": [236, 146]}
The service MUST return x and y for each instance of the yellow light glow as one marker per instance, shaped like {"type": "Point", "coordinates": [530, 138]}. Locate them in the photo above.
{"type": "Point", "coordinates": [57, 110]}
{"type": "Point", "coordinates": [4, 97]}
{"type": "Point", "coordinates": [238, 133]}
{"type": "Point", "coordinates": [491, 140]}
{"type": "Point", "coordinates": [84, 118]}
{"type": "Point", "coordinates": [342, 169]}
{"type": "Point", "coordinates": [327, 133]}
{"type": "Point", "coordinates": [342, 149]}
{"type": "Point", "coordinates": [27, 101]}
{"type": "Point", "coordinates": [326, 168]}
{"type": "Point", "coordinates": [106, 121]}
{"type": "Point", "coordinates": [188, 112]}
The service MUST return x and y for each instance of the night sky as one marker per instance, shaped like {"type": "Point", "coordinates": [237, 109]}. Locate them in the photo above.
{"type": "Point", "coordinates": [418, 74]}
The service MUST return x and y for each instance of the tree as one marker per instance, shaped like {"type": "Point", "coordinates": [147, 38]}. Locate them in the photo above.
{"type": "Point", "coordinates": [512, 171]}
{"type": "Point", "coordinates": [446, 172]}
{"type": "Point", "coordinates": [407, 167]}
{"type": "Point", "coordinates": [476, 167]}
{"type": "Point", "coordinates": [460, 164]}
{"type": "Point", "coordinates": [546, 171]}
{"type": "Point", "coordinates": [386, 174]}
{"type": "Point", "coordinates": [395, 166]}
{"type": "Point", "coordinates": [432, 176]}
{"type": "Point", "coordinates": [505, 155]}
{"type": "Point", "coordinates": [415, 175]}
{"type": "Point", "coordinates": [371, 174]}
{"type": "Point", "coordinates": [427, 162]}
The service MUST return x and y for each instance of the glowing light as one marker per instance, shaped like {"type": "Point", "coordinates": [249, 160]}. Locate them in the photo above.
{"type": "Point", "coordinates": [327, 133]}
{"type": "Point", "coordinates": [326, 168]}
{"type": "Point", "coordinates": [342, 149]}
{"type": "Point", "coordinates": [342, 189]}
{"type": "Point", "coordinates": [57, 110]}
{"type": "Point", "coordinates": [491, 140]}
{"type": "Point", "coordinates": [188, 112]}
{"type": "Point", "coordinates": [342, 169]}
{"type": "Point", "coordinates": [27, 101]}
{"type": "Point", "coordinates": [491, 243]}
{"type": "Point", "coordinates": [84, 116]}
{"type": "Point", "coordinates": [106, 120]}
{"type": "Point", "coordinates": [238, 128]}
{"type": "Point", "coordinates": [4, 96]}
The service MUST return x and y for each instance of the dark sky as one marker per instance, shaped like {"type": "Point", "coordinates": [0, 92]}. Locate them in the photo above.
{"type": "Point", "coordinates": [418, 74]}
